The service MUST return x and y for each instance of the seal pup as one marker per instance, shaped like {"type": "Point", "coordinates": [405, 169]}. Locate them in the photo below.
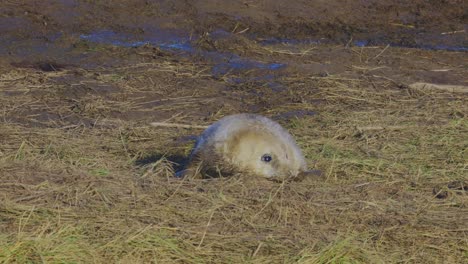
{"type": "Point", "coordinates": [246, 143]}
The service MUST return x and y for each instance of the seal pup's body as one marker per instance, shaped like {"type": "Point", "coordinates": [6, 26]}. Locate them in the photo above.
{"type": "Point", "coordinates": [246, 143]}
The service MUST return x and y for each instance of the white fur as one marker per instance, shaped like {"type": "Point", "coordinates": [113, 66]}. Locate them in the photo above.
{"type": "Point", "coordinates": [241, 140]}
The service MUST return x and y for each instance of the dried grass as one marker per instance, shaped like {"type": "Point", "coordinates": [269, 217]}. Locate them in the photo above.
{"type": "Point", "coordinates": [81, 183]}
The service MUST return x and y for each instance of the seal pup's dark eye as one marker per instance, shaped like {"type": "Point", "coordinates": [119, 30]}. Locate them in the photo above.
{"type": "Point", "coordinates": [266, 158]}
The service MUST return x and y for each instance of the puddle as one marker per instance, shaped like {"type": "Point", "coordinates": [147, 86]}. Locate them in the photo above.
{"type": "Point", "coordinates": [361, 43]}
{"type": "Point", "coordinates": [223, 62]}
{"type": "Point", "coordinates": [164, 39]}
{"type": "Point", "coordinates": [110, 37]}
{"type": "Point", "coordinates": [233, 63]}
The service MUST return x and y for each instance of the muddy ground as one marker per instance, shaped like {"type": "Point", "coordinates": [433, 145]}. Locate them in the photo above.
{"type": "Point", "coordinates": [84, 178]}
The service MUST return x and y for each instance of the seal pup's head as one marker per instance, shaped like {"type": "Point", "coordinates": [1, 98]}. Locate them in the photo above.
{"type": "Point", "coordinates": [262, 153]}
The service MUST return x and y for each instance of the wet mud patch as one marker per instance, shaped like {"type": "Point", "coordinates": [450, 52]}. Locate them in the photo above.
{"type": "Point", "coordinates": [181, 44]}
{"type": "Point", "coordinates": [451, 188]}
{"type": "Point", "coordinates": [46, 66]}
{"type": "Point", "coordinates": [294, 114]}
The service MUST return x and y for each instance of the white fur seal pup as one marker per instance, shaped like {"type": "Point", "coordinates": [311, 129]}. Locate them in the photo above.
{"type": "Point", "coordinates": [246, 143]}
